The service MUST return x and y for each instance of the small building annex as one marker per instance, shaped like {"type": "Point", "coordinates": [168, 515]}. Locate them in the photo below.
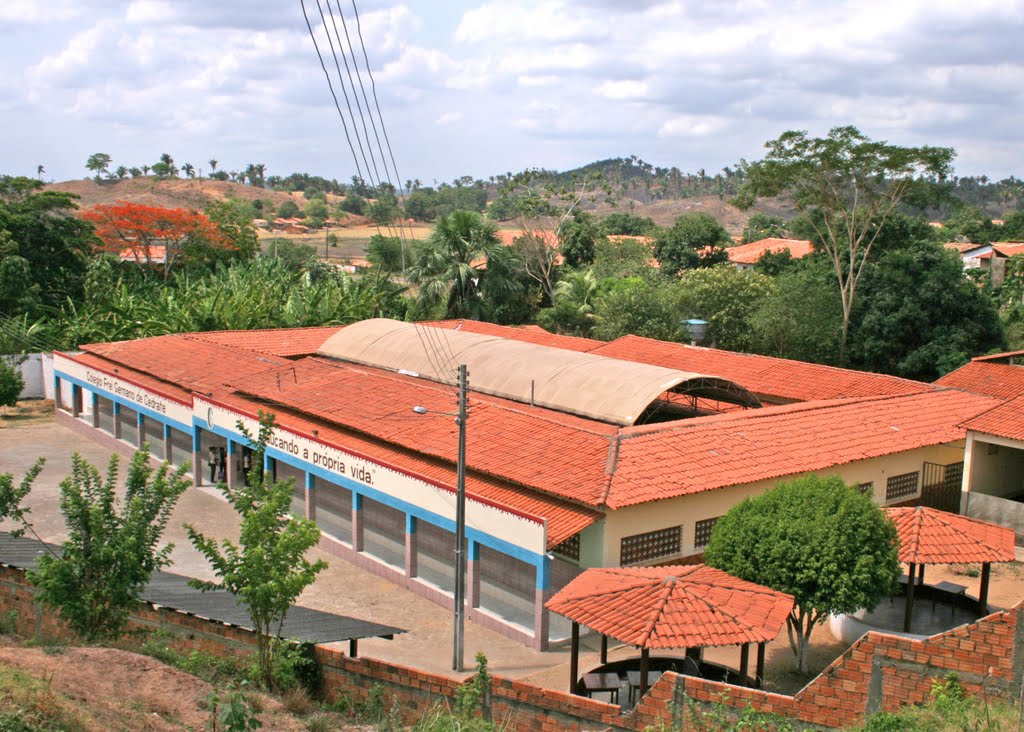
{"type": "Point", "coordinates": [580, 453]}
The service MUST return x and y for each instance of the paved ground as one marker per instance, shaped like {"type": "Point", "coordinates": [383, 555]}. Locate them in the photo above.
{"type": "Point", "coordinates": [348, 590]}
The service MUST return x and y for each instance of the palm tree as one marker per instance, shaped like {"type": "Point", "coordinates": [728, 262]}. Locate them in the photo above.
{"type": "Point", "coordinates": [579, 289]}
{"type": "Point", "coordinates": [167, 160]}
{"type": "Point", "coordinates": [188, 170]}
{"type": "Point", "coordinates": [459, 263]}
{"type": "Point", "coordinates": [39, 171]}
{"type": "Point", "coordinates": [213, 165]}
{"type": "Point", "coordinates": [145, 170]}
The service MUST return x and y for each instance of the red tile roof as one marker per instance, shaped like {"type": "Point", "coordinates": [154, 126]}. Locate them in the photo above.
{"type": "Point", "coordinates": [187, 362]}
{"type": "Point", "coordinates": [772, 379]}
{"type": "Point", "coordinates": [985, 377]}
{"type": "Point", "coordinates": [529, 334]}
{"type": "Point", "coordinates": [1005, 420]}
{"type": "Point", "coordinates": [673, 607]}
{"type": "Point", "coordinates": [750, 253]}
{"type": "Point", "coordinates": [506, 439]}
{"type": "Point", "coordinates": [564, 519]}
{"type": "Point", "coordinates": [1008, 248]}
{"type": "Point", "coordinates": [930, 536]}
{"type": "Point", "coordinates": [284, 342]}
{"type": "Point", "coordinates": [138, 378]}
{"type": "Point", "coordinates": [691, 456]}
{"type": "Point", "coordinates": [962, 246]}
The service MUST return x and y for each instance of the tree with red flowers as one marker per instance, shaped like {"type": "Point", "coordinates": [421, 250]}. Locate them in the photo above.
{"type": "Point", "coordinates": [153, 235]}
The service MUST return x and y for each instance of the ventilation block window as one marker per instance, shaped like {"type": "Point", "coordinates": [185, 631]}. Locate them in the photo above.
{"type": "Point", "coordinates": [866, 488]}
{"type": "Point", "coordinates": [651, 545]}
{"type": "Point", "coordinates": [570, 548]}
{"type": "Point", "coordinates": [702, 532]}
{"type": "Point", "coordinates": [901, 486]}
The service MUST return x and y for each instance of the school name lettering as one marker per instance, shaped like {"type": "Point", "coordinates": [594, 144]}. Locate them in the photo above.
{"type": "Point", "coordinates": [125, 391]}
{"type": "Point", "coordinates": [323, 460]}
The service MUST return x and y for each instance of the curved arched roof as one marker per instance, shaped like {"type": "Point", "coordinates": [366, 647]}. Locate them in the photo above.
{"type": "Point", "coordinates": [606, 389]}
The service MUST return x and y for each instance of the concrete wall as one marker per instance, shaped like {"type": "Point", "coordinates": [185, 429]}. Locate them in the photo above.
{"type": "Point", "coordinates": [997, 510]}
{"type": "Point", "coordinates": [996, 466]}
{"type": "Point", "coordinates": [688, 510]}
{"type": "Point", "coordinates": [37, 372]}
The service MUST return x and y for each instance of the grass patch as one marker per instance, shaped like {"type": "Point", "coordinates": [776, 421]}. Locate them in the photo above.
{"type": "Point", "coordinates": [30, 705]}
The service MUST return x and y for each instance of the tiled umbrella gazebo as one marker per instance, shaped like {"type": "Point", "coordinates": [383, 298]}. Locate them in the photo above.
{"type": "Point", "coordinates": [681, 607]}
{"type": "Point", "coordinates": [931, 536]}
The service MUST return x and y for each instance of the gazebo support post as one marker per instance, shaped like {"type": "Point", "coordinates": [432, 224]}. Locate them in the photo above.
{"type": "Point", "coordinates": [645, 663]}
{"type": "Point", "coordinates": [574, 657]}
{"type": "Point", "coordinates": [604, 649]}
{"type": "Point", "coordinates": [986, 575]}
{"type": "Point", "coordinates": [909, 609]}
{"type": "Point", "coordinates": [759, 682]}
{"type": "Point", "coordinates": [744, 663]}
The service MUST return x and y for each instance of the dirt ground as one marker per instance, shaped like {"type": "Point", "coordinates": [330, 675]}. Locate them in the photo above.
{"type": "Point", "coordinates": [26, 412]}
{"type": "Point", "coordinates": [110, 689]}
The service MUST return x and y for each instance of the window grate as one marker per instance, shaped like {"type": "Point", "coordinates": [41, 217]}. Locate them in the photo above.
{"type": "Point", "coordinates": [868, 487]}
{"type": "Point", "coordinates": [702, 532]}
{"type": "Point", "coordinates": [651, 545]}
{"type": "Point", "coordinates": [901, 486]}
{"type": "Point", "coordinates": [570, 548]}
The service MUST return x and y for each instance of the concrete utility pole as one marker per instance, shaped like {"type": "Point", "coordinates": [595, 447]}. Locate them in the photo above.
{"type": "Point", "coordinates": [460, 527]}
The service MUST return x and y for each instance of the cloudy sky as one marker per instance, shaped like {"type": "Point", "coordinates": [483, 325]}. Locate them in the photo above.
{"type": "Point", "coordinates": [478, 88]}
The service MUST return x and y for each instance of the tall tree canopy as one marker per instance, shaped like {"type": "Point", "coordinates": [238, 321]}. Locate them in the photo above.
{"type": "Point", "coordinates": [451, 266]}
{"type": "Point", "coordinates": [920, 317]}
{"type": "Point", "coordinates": [39, 228]}
{"type": "Point", "coordinates": [139, 229]}
{"type": "Point", "coordinates": [850, 186]}
{"type": "Point", "coordinates": [694, 240]}
{"type": "Point", "coordinates": [815, 538]}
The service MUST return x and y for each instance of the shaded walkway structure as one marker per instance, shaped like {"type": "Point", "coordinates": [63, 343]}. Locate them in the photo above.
{"type": "Point", "coordinates": [172, 591]}
{"type": "Point", "coordinates": [682, 607]}
{"type": "Point", "coordinates": [931, 536]}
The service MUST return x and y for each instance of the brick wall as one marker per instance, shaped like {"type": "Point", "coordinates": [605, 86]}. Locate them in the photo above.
{"type": "Point", "coordinates": [878, 672]}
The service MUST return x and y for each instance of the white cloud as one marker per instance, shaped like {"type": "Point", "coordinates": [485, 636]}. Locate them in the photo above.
{"type": "Point", "coordinates": [691, 125]}
{"type": "Point", "coordinates": [627, 89]}
{"type": "Point", "coordinates": [448, 118]}
{"type": "Point", "coordinates": [33, 11]}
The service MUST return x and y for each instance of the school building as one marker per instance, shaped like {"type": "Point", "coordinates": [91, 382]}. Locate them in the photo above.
{"type": "Point", "coordinates": [580, 453]}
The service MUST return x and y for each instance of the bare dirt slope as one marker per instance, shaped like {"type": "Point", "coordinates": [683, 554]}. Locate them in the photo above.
{"type": "Point", "coordinates": [112, 689]}
{"type": "Point", "coordinates": [188, 193]}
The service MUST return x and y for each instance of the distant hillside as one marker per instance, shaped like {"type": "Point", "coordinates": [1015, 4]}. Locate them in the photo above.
{"type": "Point", "coordinates": [190, 193]}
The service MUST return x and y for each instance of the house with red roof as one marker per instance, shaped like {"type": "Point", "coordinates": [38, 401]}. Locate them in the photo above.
{"type": "Point", "coordinates": [745, 256]}
{"type": "Point", "coordinates": [579, 453]}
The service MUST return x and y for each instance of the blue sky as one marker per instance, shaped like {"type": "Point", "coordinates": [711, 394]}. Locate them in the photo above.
{"type": "Point", "coordinates": [480, 88]}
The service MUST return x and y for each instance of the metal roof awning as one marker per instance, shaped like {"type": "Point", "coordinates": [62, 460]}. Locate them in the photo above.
{"type": "Point", "coordinates": [170, 590]}
{"type": "Point", "coordinates": [606, 389]}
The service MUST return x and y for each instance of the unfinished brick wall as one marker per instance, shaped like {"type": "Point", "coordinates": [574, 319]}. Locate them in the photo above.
{"type": "Point", "coordinates": [879, 672]}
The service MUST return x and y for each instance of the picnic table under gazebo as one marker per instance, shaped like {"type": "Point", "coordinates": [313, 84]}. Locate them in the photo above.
{"type": "Point", "coordinates": [930, 536]}
{"type": "Point", "coordinates": [675, 607]}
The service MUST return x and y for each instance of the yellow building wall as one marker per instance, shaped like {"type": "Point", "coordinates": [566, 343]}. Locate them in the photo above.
{"type": "Point", "coordinates": [687, 510]}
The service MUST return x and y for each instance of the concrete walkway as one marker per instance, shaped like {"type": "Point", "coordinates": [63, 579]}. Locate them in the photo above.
{"type": "Point", "coordinates": [342, 588]}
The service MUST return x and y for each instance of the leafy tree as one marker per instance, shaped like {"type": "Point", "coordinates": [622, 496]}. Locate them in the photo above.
{"type": "Point", "coordinates": [188, 238]}
{"type": "Point", "coordinates": [293, 255]}
{"type": "Point", "coordinates": [18, 292]}
{"type": "Point", "coordinates": [386, 253]}
{"type": "Point", "coordinates": [98, 163]}
{"type": "Point", "coordinates": [920, 317]}
{"type": "Point", "coordinates": [577, 238]}
{"type": "Point", "coordinates": [639, 307]}
{"type": "Point", "coordinates": [135, 172]}
{"type": "Point", "coordinates": [453, 263]}
{"type": "Point", "coordinates": [112, 546]}
{"type": "Point", "coordinates": [968, 222]}
{"type": "Point", "coordinates": [1013, 226]}
{"type": "Point", "coordinates": [763, 226]}
{"type": "Point", "coordinates": [774, 263]}
{"type": "Point", "coordinates": [802, 318]}
{"type": "Point", "coordinates": [384, 209]}
{"type": "Point", "coordinates": [316, 212]}
{"type": "Point", "coordinates": [694, 240]}
{"type": "Point", "coordinates": [353, 203]}
{"type": "Point", "coordinates": [168, 164]}
{"type": "Point", "coordinates": [627, 224]}
{"type": "Point", "coordinates": [573, 310]}
{"type": "Point", "coordinates": [288, 210]}
{"type": "Point", "coordinates": [727, 298]}
{"type": "Point", "coordinates": [623, 258]}
{"type": "Point", "coordinates": [11, 384]}
{"type": "Point", "coordinates": [233, 219]}
{"type": "Point", "coordinates": [12, 495]}
{"type": "Point", "coordinates": [850, 185]}
{"type": "Point", "coordinates": [41, 228]}
{"type": "Point", "coordinates": [538, 258]}
{"type": "Point", "coordinates": [267, 569]}
{"type": "Point", "coordinates": [815, 538]}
